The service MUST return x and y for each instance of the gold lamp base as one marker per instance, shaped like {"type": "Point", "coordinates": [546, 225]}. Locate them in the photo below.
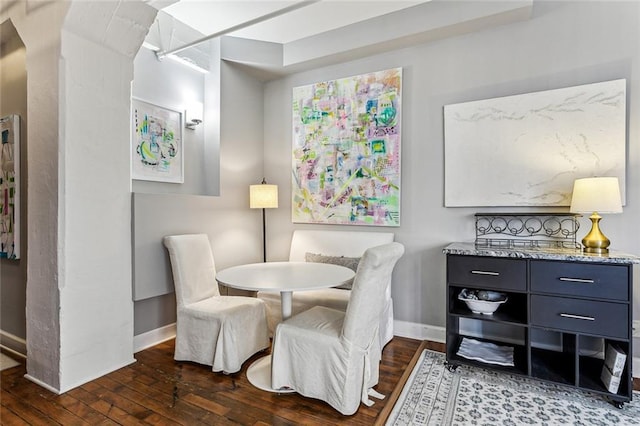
{"type": "Point", "coordinates": [595, 241]}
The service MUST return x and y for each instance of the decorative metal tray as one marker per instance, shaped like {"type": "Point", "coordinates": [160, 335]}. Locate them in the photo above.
{"type": "Point", "coordinates": [527, 230]}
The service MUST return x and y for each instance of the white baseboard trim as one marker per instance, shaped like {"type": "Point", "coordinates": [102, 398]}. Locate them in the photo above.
{"type": "Point", "coordinates": [14, 344]}
{"type": "Point", "coordinates": [80, 383]}
{"type": "Point", "coordinates": [42, 384]}
{"type": "Point", "coordinates": [418, 331]}
{"type": "Point", "coordinates": [153, 337]}
{"type": "Point", "coordinates": [410, 330]}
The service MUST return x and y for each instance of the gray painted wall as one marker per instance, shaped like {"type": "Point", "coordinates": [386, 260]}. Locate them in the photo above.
{"type": "Point", "coordinates": [563, 44]}
{"type": "Point", "coordinates": [13, 273]}
{"type": "Point", "coordinates": [235, 231]}
{"type": "Point", "coordinates": [172, 85]}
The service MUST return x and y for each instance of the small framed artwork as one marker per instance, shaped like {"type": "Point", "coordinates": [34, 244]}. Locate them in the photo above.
{"type": "Point", "coordinates": [157, 152]}
{"type": "Point", "coordinates": [10, 187]}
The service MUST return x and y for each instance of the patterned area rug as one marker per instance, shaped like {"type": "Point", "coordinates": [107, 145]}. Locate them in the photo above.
{"type": "Point", "coordinates": [473, 396]}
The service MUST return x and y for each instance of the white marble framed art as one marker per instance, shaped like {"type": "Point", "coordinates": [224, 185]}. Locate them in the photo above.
{"type": "Point", "coordinates": [526, 150]}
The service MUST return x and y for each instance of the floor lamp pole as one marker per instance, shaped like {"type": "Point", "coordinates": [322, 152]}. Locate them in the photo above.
{"type": "Point", "coordinates": [264, 236]}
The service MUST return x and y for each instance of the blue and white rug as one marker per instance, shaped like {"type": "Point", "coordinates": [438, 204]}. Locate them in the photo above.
{"type": "Point", "coordinates": [434, 395]}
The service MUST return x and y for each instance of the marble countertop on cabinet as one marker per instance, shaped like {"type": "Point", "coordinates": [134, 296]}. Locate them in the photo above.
{"type": "Point", "coordinates": [470, 249]}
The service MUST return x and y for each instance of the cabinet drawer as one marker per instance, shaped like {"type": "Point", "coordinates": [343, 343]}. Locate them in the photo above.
{"type": "Point", "coordinates": [487, 272]}
{"type": "Point", "coordinates": [580, 279]}
{"type": "Point", "coordinates": [581, 316]}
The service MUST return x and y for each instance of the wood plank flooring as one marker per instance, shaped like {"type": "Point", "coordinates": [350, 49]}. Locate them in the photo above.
{"type": "Point", "coordinates": [157, 390]}
{"type": "Point", "coordinates": [160, 391]}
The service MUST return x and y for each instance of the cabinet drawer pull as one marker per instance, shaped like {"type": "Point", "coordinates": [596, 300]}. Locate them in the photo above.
{"type": "Point", "coordinates": [485, 273]}
{"type": "Point", "coordinates": [580, 317]}
{"type": "Point", "coordinates": [577, 280]}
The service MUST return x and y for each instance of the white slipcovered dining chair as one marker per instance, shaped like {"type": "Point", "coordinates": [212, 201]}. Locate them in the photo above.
{"type": "Point", "coordinates": [334, 355]}
{"type": "Point", "coordinates": [215, 330]}
{"type": "Point", "coordinates": [342, 247]}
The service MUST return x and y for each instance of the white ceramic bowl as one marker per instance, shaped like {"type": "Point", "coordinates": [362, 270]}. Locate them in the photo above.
{"type": "Point", "coordinates": [486, 307]}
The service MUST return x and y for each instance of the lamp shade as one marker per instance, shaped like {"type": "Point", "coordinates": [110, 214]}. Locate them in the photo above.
{"type": "Point", "coordinates": [263, 196]}
{"type": "Point", "coordinates": [597, 194]}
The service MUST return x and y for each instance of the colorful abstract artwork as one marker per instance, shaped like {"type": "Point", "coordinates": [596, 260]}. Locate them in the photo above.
{"type": "Point", "coordinates": [10, 187]}
{"type": "Point", "coordinates": [156, 143]}
{"type": "Point", "coordinates": [346, 150]}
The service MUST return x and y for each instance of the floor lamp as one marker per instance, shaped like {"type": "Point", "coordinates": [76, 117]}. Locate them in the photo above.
{"type": "Point", "coordinates": [263, 197]}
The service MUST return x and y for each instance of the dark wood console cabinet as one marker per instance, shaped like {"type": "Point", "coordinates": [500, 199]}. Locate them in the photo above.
{"type": "Point", "coordinates": [563, 309]}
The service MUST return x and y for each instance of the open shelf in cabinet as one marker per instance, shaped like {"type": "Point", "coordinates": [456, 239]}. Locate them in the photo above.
{"type": "Point", "coordinates": [519, 356]}
{"type": "Point", "coordinates": [591, 369]}
{"type": "Point", "coordinates": [511, 312]}
{"type": "Point", "coordinates": [557, 361]}
{"type": "Point", "coordinates": [553, 366]}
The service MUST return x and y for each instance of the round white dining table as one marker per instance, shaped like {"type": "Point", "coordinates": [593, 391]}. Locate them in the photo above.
{"type": "Point", "coordinates": [285, 277]}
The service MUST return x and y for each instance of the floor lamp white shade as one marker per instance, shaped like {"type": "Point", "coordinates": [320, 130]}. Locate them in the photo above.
{"type": "Point", "coordinates": [263, 196]}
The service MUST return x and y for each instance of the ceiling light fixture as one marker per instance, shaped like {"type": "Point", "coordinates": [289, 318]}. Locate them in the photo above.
{"type": "Point", "coordinates": [184, 61]}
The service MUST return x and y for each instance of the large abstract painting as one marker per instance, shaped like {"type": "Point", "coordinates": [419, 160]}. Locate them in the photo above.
{"type": "Point", "coordinates": [346, 150]}
{"type": "Point", "coordinates": [526, 150]}
{"type": "Point", "coordinates": [157, 150]}
{"type": "Point", "coordinates": [10, 187]}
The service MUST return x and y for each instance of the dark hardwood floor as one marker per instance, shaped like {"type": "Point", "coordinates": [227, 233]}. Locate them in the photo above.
{"type": "Point", "coordinates": [160, 391]}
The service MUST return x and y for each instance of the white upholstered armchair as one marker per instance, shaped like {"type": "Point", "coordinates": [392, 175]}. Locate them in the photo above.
{"type": "Point", "coordinates": [215, 330]}
{"type": "Point", "coordinates": [333, 355]}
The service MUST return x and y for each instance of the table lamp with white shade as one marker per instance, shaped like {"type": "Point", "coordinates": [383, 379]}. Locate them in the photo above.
{"type": "Point", "coordinates": [263, 197]}
{"type": "Point", "coordinates": [596, 195]}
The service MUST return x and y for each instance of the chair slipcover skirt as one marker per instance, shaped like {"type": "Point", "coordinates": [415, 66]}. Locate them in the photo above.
{"type": "Point", "coordinates": [215, 330]}
{"type": "Point", "coordinates": [310, 357]}
{"type": "Point", "coordinates": [221, 331]}
{"type": "Point", "coordinates": [333, 355]}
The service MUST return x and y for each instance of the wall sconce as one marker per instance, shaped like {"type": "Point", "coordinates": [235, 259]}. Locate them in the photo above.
{"type": "Point", "coordinates": [593, 195]}
{"type": "Point", "coordinates": [193, 115]}
{"type": "Point", "coordinates": [263, 197]}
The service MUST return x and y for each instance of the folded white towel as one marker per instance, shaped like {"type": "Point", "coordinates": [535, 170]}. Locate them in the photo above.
{"type": "Point", "coordinates": [486, 352]}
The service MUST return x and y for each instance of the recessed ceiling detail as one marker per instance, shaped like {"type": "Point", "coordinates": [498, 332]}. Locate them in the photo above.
{"type": "Point", "coordinates": [212, 16]}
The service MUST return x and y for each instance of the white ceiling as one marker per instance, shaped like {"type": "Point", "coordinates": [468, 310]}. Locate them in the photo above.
{"type": "Point", "coordinates": [319, 33]}
{"type": "Point", "coordinates": [213, 16]}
